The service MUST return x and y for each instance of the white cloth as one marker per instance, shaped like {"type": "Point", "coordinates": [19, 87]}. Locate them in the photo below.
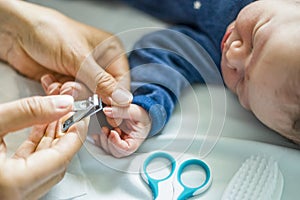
{"type": "Point", "coordinates": [95, 175]}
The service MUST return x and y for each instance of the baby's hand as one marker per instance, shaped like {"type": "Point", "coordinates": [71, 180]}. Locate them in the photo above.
{"type": "Point", "coordinates": [132, 125]}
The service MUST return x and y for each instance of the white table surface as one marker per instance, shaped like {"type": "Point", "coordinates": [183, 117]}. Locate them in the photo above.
{"type": "Point", "coordinates": [95, 175]}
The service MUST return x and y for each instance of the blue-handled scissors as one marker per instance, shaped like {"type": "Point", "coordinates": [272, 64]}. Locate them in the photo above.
{"type": "Point", "coordinates": [172, 184]}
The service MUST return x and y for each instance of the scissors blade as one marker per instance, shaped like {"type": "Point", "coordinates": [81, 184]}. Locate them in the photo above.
{"type": "Point", "coordinates": [83, 109]}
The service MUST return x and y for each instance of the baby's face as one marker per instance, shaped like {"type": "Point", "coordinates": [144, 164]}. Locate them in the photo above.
{"type": "Point", "coordinates": [261, 63]}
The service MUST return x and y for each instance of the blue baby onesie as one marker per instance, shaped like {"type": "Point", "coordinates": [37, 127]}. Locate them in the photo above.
{"type": "Point", "coordinates": [165, 62]}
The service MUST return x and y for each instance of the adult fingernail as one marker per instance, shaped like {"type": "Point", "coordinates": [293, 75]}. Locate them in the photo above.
{"type": "Point", "coordinates": [108, 111]}
{"type": "Point", "coordinates": [63, 101]}
{"type": "Point", "coordinates": [122, 96]}
{"type": "Point", "coordinates": [46, 81]}
{"type": "Point", "coordinates": [67, 90]}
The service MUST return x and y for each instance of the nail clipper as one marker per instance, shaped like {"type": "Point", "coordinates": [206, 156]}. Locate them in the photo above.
{"type": "Point", "coordinates": [82, 109]}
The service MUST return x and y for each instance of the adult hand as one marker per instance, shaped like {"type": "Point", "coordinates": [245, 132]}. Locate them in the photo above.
{"type": "Point", "coordinates": [131, 124]}
{"type": "Point", "coordinates": [41, 161]}
{"type": "Point", "coordinates": [37, 40]}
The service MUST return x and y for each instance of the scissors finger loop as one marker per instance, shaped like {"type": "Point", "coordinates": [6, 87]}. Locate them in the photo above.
{"type": "Point", "coordinates": [192, 191]}
{"type": "Point", "coordinates": [153, 182]}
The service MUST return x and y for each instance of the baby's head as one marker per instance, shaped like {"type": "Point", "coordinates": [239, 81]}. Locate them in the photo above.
{"type": "Point", "coordinates": [261, 63]}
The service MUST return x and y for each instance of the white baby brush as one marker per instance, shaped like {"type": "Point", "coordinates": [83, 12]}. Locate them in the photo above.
{"type": "Point", "coordinates": [259, 178]}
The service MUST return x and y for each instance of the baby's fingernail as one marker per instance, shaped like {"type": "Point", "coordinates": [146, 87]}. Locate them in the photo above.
{"type": "Point", "coordinates": [122, 96]}
{"type": "Point", "coordinates": [63, 101]}
{"type": "Point", "coordinates": [108, 111]}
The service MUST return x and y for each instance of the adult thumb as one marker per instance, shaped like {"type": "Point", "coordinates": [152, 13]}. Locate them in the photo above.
{"type": "Point", "coordinates": [104, 84]}
{"type": "Point", "coordinates": [33, 110]}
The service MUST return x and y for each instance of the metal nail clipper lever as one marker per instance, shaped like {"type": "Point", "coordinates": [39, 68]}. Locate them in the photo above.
{"type": "Point", "coordinates": [83, 109]}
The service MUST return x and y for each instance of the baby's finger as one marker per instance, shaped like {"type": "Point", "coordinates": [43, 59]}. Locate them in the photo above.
{"type": "Point", "coordinates": [132, 112]}
{"type": "Point", "coordinates": [114, 122]}
{"type": "Point", "coordinates": [118, 147]}
{"type": "Point", "coordinates": [96, 139]}
{"type": "Point", "coordinates": [117, 112]}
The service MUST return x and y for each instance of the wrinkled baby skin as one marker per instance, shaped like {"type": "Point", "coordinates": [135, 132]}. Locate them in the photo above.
{"type": "Point", "coordinates": [261, 63]}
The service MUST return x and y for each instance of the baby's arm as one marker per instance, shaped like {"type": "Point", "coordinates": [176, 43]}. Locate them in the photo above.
{"type": "Point", "coordinates": [165, 63]}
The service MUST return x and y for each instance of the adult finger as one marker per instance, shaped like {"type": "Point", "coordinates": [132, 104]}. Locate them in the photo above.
{"type": "Point", "coordinates": [33, 110]}
{"type": "Point", "coordinates": [49, 136]}
{"type": "Point", "coordinates": [111, 56]}
{"type": "Point", "coordinates": [74, 137]}
{"type": "Point", "coordinates": [104, 84]}
{"type": "Point", "coordinates": [50, 84]}
{"type": "Point", "coordinates": [29, 146]}
{"type": "Point", "coordinates": [78, 90]}
{"type": "Point", "coordinates": [64, 85]}
{"type": "Point", "coordinates": [48, 79]}
{"type": "Point", "coordinates": [57, 157]}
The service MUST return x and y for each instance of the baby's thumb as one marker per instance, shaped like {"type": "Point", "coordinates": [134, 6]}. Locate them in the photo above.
{"type": "Point", "coordinates": [132, 112]}
{"type": "Point", "coordinates": [33, 110]}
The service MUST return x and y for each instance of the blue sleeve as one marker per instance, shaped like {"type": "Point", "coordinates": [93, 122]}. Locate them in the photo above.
{"type": "Point", "coordinates": [163, 64]}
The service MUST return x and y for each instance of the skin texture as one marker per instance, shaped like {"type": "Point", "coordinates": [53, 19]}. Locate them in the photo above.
{"type": "Point", "coordinates": [40, 161]}
{"type": "Point", "coordinates": [34, 35]}
{"type": "Point", "coordinates": [130, 125]}
{"type": "Point", "coordinates": [261, 64]}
